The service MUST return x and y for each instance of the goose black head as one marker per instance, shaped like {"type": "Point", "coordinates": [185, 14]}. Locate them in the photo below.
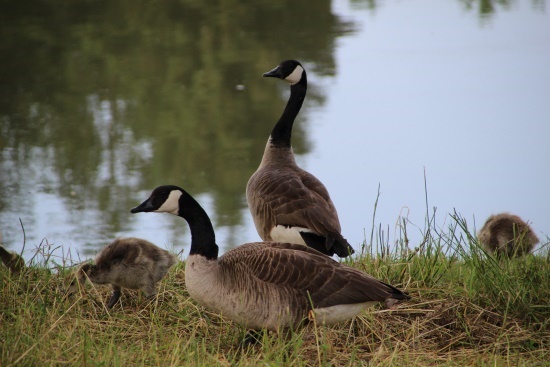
{"type": "Point", "coordinates": [290, 70]}
{"type": "Point", "coordinates": [162, 199]}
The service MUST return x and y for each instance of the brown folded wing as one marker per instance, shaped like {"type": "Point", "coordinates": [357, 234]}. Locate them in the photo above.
{"type": "Point", "coordinates": [308, 273]}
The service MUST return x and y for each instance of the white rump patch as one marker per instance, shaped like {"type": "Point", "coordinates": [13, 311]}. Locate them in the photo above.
{"type": "Point", "coordinates": [288, 234]}
{"type": "Point", "coordinates": [339, 313]}
{"type": "Point", "coordinates": [171, 205]}
{"type": "Point", "coordinates": [296, 75]}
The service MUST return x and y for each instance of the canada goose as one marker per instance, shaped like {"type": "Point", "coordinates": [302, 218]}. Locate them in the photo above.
{"type": "Point", "coordinates": [267, 284]}
{"type": "Point", "coordinates": [13, 261]}
{"type": "Point", "coordinates": [131, 263]}
{"type": "Point", "coordinates": [287, 203]}
{"type": "Point", "coordinates": [507, 234]}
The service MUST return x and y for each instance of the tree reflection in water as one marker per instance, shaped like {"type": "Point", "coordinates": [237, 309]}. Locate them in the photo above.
{"type": "Point", "coordinates": [101, 100]}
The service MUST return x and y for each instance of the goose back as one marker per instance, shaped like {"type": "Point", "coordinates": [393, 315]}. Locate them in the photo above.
{"type": "Point", "coordinates": [131, 263]}
{"type": "Point", "coordinates": [290, 196]}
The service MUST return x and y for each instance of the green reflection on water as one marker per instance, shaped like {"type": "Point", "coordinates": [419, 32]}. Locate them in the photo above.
{"type": "Point", "coordinates": [102, 99]}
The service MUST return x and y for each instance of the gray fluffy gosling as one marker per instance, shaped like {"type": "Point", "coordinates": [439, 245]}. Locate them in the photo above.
{"type": "Point", "coordinates": [507, 234]}
{"type": "Point", "coordinates": [269, 285]}
{"type": "Point", "coordinates": [13, 261]}
{"type": "Point", "coordinates": [131, 263]}
{"type": "Point", "coordinates": [287, 203]}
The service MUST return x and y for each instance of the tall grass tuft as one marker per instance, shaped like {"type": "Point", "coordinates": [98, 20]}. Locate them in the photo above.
{"type": "Point", "coordinates": [513, 285]}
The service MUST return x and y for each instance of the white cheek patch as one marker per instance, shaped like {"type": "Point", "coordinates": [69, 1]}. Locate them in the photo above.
{"type": "Point", "coordinates": [171, 205]}
{"type": "Point", "coordinates": [296, 75]}
{"type": "Point", "coordinates": [288, 234]}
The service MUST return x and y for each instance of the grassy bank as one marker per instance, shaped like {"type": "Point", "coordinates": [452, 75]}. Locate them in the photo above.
{"type": "Point", "coordinates": [468, 308]}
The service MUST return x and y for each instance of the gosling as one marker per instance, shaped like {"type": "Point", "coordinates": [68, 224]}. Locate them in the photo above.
{"type": "Point", "coordinates": [131, 263]}
{"type": "Point", "coordinates": [13, 261]}
{"type": "Point", "coordinates": [507, 235]}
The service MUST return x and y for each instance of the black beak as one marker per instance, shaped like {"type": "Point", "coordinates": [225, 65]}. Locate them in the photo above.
{"type": "Point", "coordinates": [275, 73]}
{"type": "Point", "coordinates": [144, 207]}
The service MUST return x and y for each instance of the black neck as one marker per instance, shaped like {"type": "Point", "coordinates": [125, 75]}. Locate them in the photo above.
{"type": "Point", "coordinates": [281, 133]}
{"type": "Point", "coordinates": [203, 238]}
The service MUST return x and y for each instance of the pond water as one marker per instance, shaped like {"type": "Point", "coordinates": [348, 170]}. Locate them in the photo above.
{"type": "Point", "coordinates": [101, 102]}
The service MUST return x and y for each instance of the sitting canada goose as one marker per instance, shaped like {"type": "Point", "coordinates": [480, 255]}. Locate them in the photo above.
{"type": "Point", "coordinates": [287, 203]}
{"type": "Point", "coordinates": [131, 263]}
{"type": "Point", "coordinates": [269, 285]}
{"type": "Point", "coordinates": [507, 234]}
{"type": "Point", "coordinates": [13, 261]}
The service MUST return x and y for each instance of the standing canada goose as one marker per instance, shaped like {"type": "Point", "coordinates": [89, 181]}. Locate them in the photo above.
{"type": "Point", "coordinates": [507, 234]}
{"type": "Point", "coordinates": [269, 285]}
{"type": "Point", "coordinates": [287, 203]}
{"type": "Point", "coordinates": [13, 261]}
{"type": "Point", "coordinates": [131, 263]}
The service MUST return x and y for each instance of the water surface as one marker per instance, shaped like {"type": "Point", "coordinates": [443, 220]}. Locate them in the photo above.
{"type": "Point", "coordinates": [101, 102]}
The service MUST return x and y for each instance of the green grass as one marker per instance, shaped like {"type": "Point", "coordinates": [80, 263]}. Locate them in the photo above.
{"type": "Point", "coordinates": [468, 308]}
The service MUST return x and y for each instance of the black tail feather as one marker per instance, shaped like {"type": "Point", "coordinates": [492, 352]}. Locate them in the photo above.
{"type": "Point", "coordinates": [318, 243]}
